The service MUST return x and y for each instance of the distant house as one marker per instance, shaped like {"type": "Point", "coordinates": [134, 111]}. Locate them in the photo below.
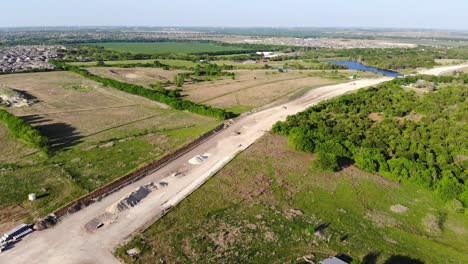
{"type": "Point", "coordinates": [332, 260]}
{"type": "Point", "coordinates": [267, 54]}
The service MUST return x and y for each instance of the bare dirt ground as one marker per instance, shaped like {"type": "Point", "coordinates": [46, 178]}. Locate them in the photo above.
{"type": "Point", "coordinates": [444, 70]}
{"type": "Point", "coordinates": [464, 70]}
{"type": "Point", "coordinates": [68, 242]}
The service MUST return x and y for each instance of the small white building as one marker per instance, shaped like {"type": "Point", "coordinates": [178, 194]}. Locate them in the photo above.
{"type": "Point", "coordinates": [267, 54]}
{"type": "Point", "coordinates": [32, 197]}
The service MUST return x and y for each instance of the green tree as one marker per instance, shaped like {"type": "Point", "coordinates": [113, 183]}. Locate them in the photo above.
{"type": "Point", "coordinates": [301, 139]}
{"type": "Point", "coordinates": [448, 187]}
{"type": "Point", "coordinates": [365, 159]}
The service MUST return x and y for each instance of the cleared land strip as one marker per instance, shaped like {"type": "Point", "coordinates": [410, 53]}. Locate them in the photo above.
{"type": "Point", "coordinates": [251, 87]}
{"type": "Point", "coordinates": [80, 246]}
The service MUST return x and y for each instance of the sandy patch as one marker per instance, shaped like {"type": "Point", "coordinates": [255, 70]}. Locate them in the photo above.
{"type": "Point", "coordinates": [398, 208]}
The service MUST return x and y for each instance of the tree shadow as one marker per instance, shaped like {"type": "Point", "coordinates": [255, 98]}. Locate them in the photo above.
{"type": "Point", "coordinates": [344, 258]}
{"type": "Point", "coordinates": [42, 195]}
{"type": "Point", "coordinates": [322, 227]}
{"type": "Point", "coordinates": [60, 135]}
{"type": "Point", "coordinates": [344, 163]}
{"type": "Point", "coordinates": [371, 258]}
{"type": "Point", "coordinates": [27, 95]}
{"type": "Point", "coordinates": [35, 119]}
{"type": "Point", "coordinates": [398, 259]}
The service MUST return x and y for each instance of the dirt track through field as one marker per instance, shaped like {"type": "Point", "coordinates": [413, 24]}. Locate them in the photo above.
{"type": "Point", "coordinates": [69, 242]}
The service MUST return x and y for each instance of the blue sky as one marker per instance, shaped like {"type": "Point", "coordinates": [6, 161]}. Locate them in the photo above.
{"type": "Point", "coordinates": [445, 14]}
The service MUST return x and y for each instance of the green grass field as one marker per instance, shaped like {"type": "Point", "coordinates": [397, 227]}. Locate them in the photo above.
{"type": "Point", "coordinates": [165, 47]}
{"type": "Point", "coordinates": [270, 206]}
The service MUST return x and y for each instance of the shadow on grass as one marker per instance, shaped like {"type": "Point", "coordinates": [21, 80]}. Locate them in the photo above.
{"type": "Point", "coordinates": [60, 135]}
{"type": "Point", "coordinates": [371, 258]}
{"type": "Point", "coordinates": [42, 195]}
{"type": "Point", "coordinates": [398, 259]}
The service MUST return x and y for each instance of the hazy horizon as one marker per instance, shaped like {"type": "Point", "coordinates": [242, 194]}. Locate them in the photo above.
{"type": "Point", "coordinates": [385, 14]}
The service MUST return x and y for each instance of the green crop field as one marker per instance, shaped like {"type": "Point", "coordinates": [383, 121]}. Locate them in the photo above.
{"type": "Point", "coordinates": [165, 47]}
{"type": "Point", "coordinates": [269, 205]}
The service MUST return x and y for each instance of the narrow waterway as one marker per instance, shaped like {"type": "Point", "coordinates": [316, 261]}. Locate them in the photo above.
{"type": "Point", "coordinates": [354, 65]}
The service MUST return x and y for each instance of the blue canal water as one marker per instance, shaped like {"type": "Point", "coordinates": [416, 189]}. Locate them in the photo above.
{"type": "Point", "coordinates": [353, 65]}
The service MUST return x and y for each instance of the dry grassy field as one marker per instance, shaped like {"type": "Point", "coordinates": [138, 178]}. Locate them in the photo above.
{"type": "Point", "coordinates": [449, 61]}
{"type": "Point", "coordinates": [252, 89]}
{"type": "Point", "coordinates": [249, 89]}
{"type": "Point", "coordinates": [97, 134]}
{"type": "Point", "coordinates": [139, 76]}
{"type": "Point", "coordinates": [73, 107]}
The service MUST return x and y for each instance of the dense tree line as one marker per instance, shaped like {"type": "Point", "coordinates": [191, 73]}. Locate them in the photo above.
{"type": "Point", "coordinates": [403, 136]}
{"type": "Point", "coordinates": [159, 95]}
{"type": "Point", "coordinates": [20, 129]}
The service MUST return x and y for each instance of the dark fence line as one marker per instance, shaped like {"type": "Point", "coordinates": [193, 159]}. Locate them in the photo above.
{"type": "Point", "coordinates": [133, 176]}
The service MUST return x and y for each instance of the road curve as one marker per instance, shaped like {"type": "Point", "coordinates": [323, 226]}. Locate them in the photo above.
{"type": "Point", "coordinates": [70, 242]}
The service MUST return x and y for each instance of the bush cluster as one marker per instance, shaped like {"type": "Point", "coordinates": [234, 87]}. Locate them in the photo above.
{"type": "Point", "coordinates": [24, 131]}
{"type": "Point", "coordinates": [390, 130]}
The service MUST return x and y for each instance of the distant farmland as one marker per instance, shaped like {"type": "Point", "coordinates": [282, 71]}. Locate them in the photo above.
{"type": "Point", "coordinates": [165, 47]}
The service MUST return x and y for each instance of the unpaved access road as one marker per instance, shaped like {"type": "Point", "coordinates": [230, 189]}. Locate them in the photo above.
{"type": "Point", "coordinates": [443, 70]}
{"type": "Point", "coordinates": [70, 242]}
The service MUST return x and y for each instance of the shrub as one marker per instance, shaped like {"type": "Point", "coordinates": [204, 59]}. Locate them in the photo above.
{"type": "Point", "coordinates": [326, 162]}
{"type": "Point", "coordinates": [449, 188]}
{"type": "Point", "coordinates": [455, 206]}
{"type": "Point", "coordinates": [464, 198]}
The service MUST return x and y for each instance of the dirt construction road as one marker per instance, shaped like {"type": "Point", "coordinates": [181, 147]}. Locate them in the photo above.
{"type": "Point", "coordinates": [74, 240]}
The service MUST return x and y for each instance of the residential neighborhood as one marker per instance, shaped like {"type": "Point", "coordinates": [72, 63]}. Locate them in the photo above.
{"type": "Point", "coordinates": [28, 58]}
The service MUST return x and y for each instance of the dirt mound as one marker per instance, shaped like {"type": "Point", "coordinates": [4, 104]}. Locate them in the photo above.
{"type": "Point", "coordinates": [432, 224]}
{"type": "Point", "coordinates": [112, 213]}
{"type": "Point", "coordinates": [132, 76]}
{"type": "Point", "coordinates": [46, 222]}
{"type": "Point", "coordinates": [199, 159]}
{"type": "Point", "coordinates": [100, 221]}
{"type": "Point", "coordinates": [132, 199]}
